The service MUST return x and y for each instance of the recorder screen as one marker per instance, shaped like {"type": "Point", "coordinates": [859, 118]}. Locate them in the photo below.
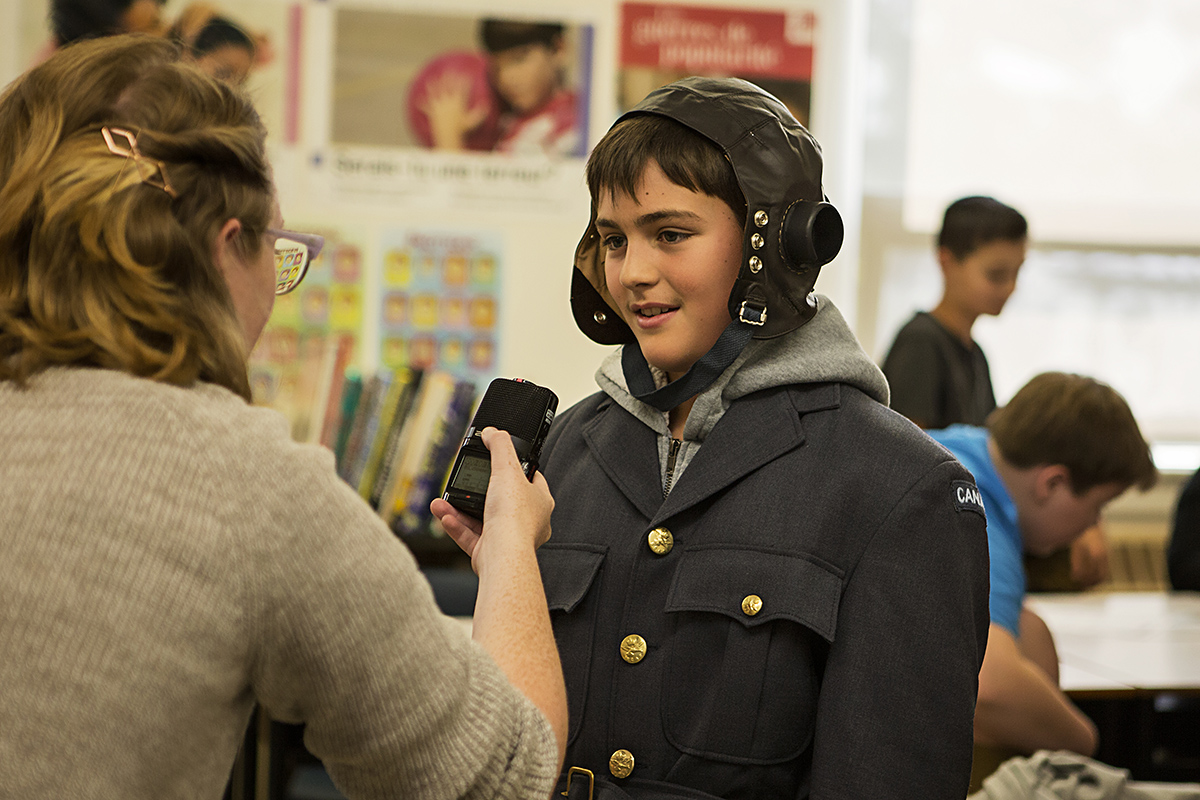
{"type": "Point", "coordinates": [473, 474]}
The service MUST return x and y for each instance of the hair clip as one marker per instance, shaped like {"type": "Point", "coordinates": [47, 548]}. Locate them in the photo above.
{"type": "Point", "coordinates": [145, 166]}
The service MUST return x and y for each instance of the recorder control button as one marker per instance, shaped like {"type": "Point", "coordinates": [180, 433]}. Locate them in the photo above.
{"type": "Point", "coordinates": [633, 648]}
{"type": "Point", "coordinates": [751, 605]}
{"type": "Point", "coordinates": [661, 541]}
{"type": "Point", "coordinates": [620, 764]}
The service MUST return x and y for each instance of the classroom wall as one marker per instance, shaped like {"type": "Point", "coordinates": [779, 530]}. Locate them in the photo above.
{"type": "Point", "coordinates": [1112, 309]}
{"type": "Point", "coordinates": [537, 338]}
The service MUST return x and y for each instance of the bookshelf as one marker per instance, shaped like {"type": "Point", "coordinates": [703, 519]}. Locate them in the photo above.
{"type": "Point", "coordinates": [393, 431]}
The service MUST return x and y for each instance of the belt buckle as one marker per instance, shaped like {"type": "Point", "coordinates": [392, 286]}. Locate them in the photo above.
{"type": "Point", "coordinates": [591, 776]}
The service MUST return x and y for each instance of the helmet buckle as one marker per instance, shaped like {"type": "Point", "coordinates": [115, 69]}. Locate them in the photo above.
{"type": "Point", "coordinates": [752, 315]}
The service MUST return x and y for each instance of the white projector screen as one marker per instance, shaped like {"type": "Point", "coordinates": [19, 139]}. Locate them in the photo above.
{"type": "Point", "coordinates": [1084, 114]}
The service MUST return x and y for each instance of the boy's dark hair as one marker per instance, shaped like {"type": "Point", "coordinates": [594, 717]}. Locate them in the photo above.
{"type": "Point", "coordinates": [72, 20]}
{"type": "Point", "coordinates": [685, 157]}
{"type": "Point", "coordinates": [1058, 418]}
{"type": "Point", "coordinates": [971, 222]}
{"type": "Point", "coordinates": [503, 34]}
{"type": "Point", "coordinates": [220, 32]}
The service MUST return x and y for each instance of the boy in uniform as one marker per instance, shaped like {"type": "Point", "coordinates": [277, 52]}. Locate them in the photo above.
{"type": "Point", "coordinates": [1046, 464]}
{"type": "Point", "coordinates": [763, 582]}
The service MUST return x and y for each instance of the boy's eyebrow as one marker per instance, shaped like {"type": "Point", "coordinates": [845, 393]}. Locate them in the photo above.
{"type": "Point", "coordinates": [651, 217]}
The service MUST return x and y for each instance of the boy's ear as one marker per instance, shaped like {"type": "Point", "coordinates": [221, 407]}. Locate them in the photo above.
{"type": "Point", "coordinates": [946, 259]}
{"type": "Point", "coordinates": [1050, 478]}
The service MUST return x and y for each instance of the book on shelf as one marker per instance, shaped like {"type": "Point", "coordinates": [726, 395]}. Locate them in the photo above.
{"type": "Point", "coordinates": [393, 430]}
{"type": "Point", "coordinates": [410, 506]}
{"type": "Point", "coordinates": [401, 383]}
{"type": "Point", "coordinates": [352, 389]}
{"type": "Point", "coordinates": [427, 409]}
{"type": "Point", "coordinates": [298, 400]}
{"type": "Point", "coordinates": [327, 412]}
{"type": "Point", "coordinates": [353, 459]}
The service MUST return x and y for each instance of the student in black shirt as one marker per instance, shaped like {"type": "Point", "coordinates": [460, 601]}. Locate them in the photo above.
{"type": "Point", "coordinates": [938, 374]}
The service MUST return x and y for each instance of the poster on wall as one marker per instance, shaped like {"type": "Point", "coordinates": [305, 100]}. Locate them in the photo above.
{"type": "Point", "coordinates": [663, 42]}
{"type": "Point", "coordinates": [458, 108]}
{"type": "Point", "coordinates": [439, 301]}
{"type": "Point", "coordinates": [314, 333]}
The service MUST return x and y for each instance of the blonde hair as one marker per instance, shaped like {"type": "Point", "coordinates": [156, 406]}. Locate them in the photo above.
{"type": "Point", "coordinates": [98, 266]}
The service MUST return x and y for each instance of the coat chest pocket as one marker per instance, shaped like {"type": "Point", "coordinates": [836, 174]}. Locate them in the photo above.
{"type": "Point", "coordinates": [750, 633]}
{"type": "Point", "coordinates": [568, 572]}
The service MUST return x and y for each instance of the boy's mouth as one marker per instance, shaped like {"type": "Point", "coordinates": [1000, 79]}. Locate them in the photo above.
{"type": "Point", "coordinates": [653, 312]}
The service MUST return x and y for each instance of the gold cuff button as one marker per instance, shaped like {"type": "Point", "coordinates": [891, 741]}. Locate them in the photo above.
{"type": "Point", "coordinates": [751, 605]}
{"type": "Point", "coordinates": [633, 648]}
{"type": "Point", "coordinates": [661, 541]}
{"type": "Point", "coordinates": [620, 764]}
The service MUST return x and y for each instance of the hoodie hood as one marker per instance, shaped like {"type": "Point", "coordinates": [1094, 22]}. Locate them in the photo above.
{"type": "Point", "coordinates": [823, 351]}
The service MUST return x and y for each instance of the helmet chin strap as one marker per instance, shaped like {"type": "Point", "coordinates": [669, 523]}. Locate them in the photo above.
{"type": "Point", "coordinates": [707, 369]}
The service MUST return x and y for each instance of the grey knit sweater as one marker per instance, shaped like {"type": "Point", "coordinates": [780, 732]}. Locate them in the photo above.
{"type": "Point", "coordinates": [168, 557]}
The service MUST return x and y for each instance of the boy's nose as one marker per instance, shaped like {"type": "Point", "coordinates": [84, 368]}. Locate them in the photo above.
{"type": "Point", "coordinates": [637, 269]}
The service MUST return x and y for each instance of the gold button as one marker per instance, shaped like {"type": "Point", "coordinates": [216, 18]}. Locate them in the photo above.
{"type": "Point", "coordinates": [633, 648]}
{"type": "Point", "coordinates": [620, 764]}
{"type": "Point", "coordinates": [751, 605]}
{"type": "Point", "coordinates": [661, 541]}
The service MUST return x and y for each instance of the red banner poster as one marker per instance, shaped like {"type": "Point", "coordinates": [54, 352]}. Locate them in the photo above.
{"type": "Point", "coordinates": [661, 42]}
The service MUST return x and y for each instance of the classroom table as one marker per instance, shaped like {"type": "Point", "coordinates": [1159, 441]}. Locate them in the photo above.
{"type": "Point", "coordinates": [1131, 661]}
{"type": "Point", "coordinates": [1124, 642]}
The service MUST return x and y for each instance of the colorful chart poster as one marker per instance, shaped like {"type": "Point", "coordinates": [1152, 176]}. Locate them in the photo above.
{"type": "Point", "coordinates": [440, 301]}
{"type": "Point", "coordinates": [305, 326]}
{"type": "Point", "coordinates": [663, 42]}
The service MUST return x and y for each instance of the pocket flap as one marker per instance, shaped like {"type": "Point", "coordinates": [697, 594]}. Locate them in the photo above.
{"type": "Point", "coordinates": [720, 580]}
{"type": "Point", "coordinates": [567, 572]}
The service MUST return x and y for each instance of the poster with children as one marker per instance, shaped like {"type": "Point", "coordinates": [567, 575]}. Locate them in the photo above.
{"type": "Point", "coordinates": [440, 301]}
{"type": "Point", "coordinates": [663, 42]}
{"type": "Point", "coordinates": [454, 107]}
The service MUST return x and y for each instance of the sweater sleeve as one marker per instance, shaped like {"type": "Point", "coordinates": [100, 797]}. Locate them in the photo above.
{"type": "Point", "coordinates": [396, 699]}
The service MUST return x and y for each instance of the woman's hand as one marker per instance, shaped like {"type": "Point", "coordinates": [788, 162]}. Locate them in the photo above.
{"type": "Point", "coordinates": [517, 510]}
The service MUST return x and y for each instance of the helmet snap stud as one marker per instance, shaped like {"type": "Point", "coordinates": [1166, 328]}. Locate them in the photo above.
{"type": "Point", "coordinates": [756, 241]}
{"type": "Point", "coordinates": [761, 218]}
{"type": "Point", "coordinates": [600, 317]}
{"type": "Point", "coordinates": [755, 264]}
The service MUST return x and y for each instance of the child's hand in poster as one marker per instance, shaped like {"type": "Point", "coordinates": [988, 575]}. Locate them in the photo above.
{"type": "Point", "coordinates": [451, 104]}
{"type": "Point", "coordinates": [451, 114]}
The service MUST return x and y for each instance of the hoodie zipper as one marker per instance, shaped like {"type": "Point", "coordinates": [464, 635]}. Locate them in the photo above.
{"type": "Point", "coordinates": [671, 454]}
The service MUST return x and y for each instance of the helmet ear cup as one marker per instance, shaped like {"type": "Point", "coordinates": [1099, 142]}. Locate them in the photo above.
{"type": "Point", "coordinates": [812, 234]}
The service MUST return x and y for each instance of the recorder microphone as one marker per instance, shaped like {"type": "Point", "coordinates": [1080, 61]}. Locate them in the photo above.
{"type": "Point", "coordinates": [523, 409]}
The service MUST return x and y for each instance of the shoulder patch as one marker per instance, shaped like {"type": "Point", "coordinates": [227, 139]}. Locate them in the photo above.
{"type": "Point", "coordinates": [966, 497]}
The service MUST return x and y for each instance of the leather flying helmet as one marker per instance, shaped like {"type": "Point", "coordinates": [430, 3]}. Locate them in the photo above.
{"type": "Point", "coordinates": [790, 231]}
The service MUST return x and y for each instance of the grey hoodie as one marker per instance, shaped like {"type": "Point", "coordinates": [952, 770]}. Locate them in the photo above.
{"type": "Point", "coordinates": [822, 351]}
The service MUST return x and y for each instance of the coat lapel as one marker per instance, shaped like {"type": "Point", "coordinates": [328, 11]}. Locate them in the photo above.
{"type": "Point", "coordinates": [756, 430]}
{"type": "Point", "coordinates": [627, 451]}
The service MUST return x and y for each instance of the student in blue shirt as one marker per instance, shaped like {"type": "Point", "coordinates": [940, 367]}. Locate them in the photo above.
{"type": "Point", "coordinates": [1046, 464]}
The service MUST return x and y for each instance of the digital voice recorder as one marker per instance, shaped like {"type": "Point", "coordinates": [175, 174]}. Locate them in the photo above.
{"type": "Point", "coordinates": [523, 409]}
